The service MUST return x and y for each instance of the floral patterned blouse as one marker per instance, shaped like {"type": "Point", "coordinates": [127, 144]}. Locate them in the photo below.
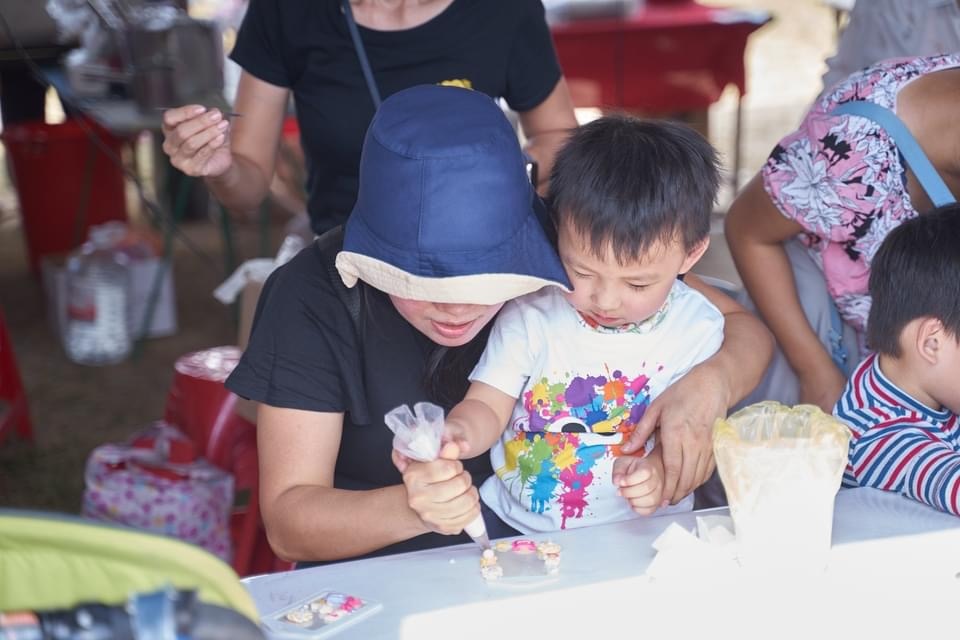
{"type": "Point", "coordinates": [843, 180]}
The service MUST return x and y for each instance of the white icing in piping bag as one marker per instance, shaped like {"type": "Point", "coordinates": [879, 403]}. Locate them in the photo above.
{"type": "Point", "coordinates": [477, 530]}
{"type": "Point", "coordinates": [419, 435]}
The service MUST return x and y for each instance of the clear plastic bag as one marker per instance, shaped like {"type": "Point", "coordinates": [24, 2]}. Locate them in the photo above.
{"type": "Point", "coordinates": [418, 434]}
{"type": "Point", "coordinates": [781, 468]}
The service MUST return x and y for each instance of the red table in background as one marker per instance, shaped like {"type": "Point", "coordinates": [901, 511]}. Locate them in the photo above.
{"type": "Point", "coordinates": [664, 58]}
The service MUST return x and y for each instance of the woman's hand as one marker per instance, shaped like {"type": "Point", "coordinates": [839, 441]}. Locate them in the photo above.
{"type": "Point", "coordinates": [684, 414]}
{"type": "Point", "coordinates": [822, 389]}
{"type": "Point", "coordinates": [197, 140]}
{"type": "Point", "coordinates": [441, 492]}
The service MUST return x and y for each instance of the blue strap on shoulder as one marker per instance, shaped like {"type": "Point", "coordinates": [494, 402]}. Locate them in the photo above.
{"type": "Point", "coordinates": [361, 53]}
{"type": "Point", "coordinates": [929, 179]}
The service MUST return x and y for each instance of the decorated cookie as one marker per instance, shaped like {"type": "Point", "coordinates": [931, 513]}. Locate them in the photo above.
{"type": "Point", "coordinates": [301, 616]}
{"type": "Point", "coordinates": [494, 572]}
{"type": "Point", "coordinates": [322, 613]}
{"type": "Point", "coordinates": [524, 546]}
{"type": "Point", "coordinates": [551, 561]}
{"type": "Point", "coordinates": [521, 558]}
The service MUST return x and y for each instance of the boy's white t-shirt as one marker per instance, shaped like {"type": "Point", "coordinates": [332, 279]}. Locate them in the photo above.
{"type": "Point", "coordinates": [580, 390]}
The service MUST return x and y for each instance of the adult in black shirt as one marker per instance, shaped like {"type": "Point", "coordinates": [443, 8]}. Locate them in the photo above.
{"type": "Point", "coordinates": [442, 234]}
{"type": "Point", "coordinates": [445, 159]}
{"type": "Point", "coordinates": [499, 47]}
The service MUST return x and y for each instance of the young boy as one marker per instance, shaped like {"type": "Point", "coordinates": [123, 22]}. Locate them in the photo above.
{"type": "Point", "coordinates": [902, 402]}
{"type": "Point", "coordinates": [565, 377]}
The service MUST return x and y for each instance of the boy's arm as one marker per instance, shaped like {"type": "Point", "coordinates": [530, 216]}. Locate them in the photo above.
{"type": "Point", "coordinates": [478, 420]}
{"type": "Point", "coordinates": [909, 459]}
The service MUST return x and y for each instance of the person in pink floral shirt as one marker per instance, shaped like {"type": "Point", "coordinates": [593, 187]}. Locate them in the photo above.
{"type": "Point", "coordinates": [804, 231]}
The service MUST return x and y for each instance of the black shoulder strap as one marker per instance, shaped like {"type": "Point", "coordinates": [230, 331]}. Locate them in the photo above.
{"type": "Point", "coordinates": [330, 244]}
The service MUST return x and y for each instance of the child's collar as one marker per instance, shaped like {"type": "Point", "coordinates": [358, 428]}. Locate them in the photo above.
{"type": "Point", "coordinates": [645, 326]}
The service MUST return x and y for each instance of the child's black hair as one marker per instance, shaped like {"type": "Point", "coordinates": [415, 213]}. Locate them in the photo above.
{"type": "Point", "coordinates": [628, 184]}
{"type": "Point", "coordinates": [916, 274]}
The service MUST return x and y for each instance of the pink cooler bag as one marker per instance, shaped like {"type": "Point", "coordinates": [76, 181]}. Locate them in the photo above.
{"type": "Point", "coordinates": [155, 482]}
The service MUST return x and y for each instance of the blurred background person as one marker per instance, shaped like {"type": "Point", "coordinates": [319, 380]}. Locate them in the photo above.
{"type": "Point", "coordinates": [306, 48]}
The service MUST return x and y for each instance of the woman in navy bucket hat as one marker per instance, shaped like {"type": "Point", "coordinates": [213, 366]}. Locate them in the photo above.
{"type": "Point", "coordinates": [451, 215]}
{"type": "Point", "coordinates": [444, 231]}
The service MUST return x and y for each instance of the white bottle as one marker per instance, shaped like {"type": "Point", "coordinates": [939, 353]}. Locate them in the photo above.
{"type": "Point", "coordinates": [97, 326]}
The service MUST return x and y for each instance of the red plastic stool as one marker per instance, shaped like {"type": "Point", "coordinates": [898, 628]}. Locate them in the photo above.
{"type": "Point", "coordinates": [14, 414]}
{"type": "Point", "coordinates": [198, 403]}
{"type": "Point", "coordinates": [202, 407]}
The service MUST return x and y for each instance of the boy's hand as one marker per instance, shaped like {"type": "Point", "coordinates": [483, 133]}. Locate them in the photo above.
{"type": "Point", "coordinates": [454, 432]}
{"type": "Point", "coordinates": [640, 481]}
{"type": "Point", "coordinates": [684, 414]}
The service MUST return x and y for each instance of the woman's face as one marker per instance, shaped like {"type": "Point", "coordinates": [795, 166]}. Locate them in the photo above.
{"type": "Point", "coordinates": [449, 325]}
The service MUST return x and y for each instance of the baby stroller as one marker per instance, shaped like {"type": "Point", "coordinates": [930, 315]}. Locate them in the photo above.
{"type": "Point", "coordinates": [65, 577]}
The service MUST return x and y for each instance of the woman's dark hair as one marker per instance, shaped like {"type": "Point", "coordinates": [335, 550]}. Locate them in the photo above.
{"type": "Point", "coordinates": [916, 274]}
{"type": "Point", "coordinates": [445, 377]}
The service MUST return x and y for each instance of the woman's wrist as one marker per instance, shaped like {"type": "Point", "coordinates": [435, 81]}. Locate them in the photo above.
{"type": "Point", "coordinates": [412, 525]}
{"type": "Point", "coordinates": [810, 361]}
{"type": "Point", "coordinates": [225, 180]}
{"type": "Point", "coordinates": [721, 370]}
{"type": "Point", "coordinates": [240, 188]}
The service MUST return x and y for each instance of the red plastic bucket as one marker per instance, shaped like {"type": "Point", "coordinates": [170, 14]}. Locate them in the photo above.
{"type": "Point", "coordinates": [65, 182]}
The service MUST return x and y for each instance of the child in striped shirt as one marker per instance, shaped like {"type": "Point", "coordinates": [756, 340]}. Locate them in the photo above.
{"type": "Point", "coordinates": [901, 403]}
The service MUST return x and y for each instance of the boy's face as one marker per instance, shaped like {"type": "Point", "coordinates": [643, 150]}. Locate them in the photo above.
{"type": "Point", "coordinates": [613, 294]}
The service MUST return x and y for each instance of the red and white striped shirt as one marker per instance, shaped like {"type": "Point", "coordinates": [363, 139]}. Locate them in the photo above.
{"type": "Point", "coordinates": [898, 443]}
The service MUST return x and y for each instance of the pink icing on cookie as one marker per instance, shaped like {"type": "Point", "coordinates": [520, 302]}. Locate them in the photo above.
{"type": "Point", "coordinates": [524, 546]}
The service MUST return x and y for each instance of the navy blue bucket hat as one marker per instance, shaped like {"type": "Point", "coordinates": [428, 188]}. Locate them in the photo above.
{"type": "Point", "coordinates": [445, 212]}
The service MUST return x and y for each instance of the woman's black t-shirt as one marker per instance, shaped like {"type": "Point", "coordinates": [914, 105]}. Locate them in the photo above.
{"type": "Point", "coordinates": [304, 354]}
{"type": "Point", "coordinates": [500, 47]}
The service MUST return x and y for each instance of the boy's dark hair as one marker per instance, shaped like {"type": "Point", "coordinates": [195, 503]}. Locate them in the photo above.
{"type": "Point", "coordinates": [629, 184]}
{"type": "Point", "coordinates": [916, 274]}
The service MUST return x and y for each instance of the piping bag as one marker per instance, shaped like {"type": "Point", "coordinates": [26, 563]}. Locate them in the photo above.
{"type": "Point", "coordinates": [419, 435]}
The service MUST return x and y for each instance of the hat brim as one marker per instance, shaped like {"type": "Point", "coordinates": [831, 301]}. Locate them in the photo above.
{"type": "Point", "coordinates": [484, 288]}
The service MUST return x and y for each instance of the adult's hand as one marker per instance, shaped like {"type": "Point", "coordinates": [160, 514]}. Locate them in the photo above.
{"type": "Point", "coordinates": [441, 492]}
{"type": "Point", "coordinates": [823, 388]}
{"type": "Point", "coordinates": [684, 414]}
{"type": "Point", "coordinates": [197, 140]}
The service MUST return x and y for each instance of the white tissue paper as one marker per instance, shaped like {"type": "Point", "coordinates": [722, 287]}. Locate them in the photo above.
{"type": "Point", "coordinates": [257, 270]}
{"type": "Point", "coordinates": [683, 556]}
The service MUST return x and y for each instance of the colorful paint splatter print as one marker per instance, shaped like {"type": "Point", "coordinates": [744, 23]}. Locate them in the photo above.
{"type": "Point", "coordinates": [567, 428]}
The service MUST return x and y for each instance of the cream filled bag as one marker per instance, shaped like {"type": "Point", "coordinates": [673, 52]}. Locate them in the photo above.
{"type": "Point", "coordinates": [781, 468]}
